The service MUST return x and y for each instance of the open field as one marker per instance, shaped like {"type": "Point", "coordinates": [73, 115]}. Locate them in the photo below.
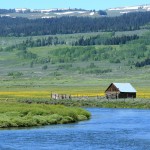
{"type": "Point", "coordinates": [22, 77]}
{"type": "Point", "coordinates": [76, 91]}
{"type": "Point", "coordinates": [38, 83]}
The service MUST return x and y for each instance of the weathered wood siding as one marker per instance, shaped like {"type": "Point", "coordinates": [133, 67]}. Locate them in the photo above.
{"type": "Point", "coordinates": [127, 95]}
{"type": "Point", "coordinates": [113, 92]}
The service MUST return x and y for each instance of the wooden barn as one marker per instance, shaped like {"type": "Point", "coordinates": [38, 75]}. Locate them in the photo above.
{"type": "Point", "coordinates": [120, 90]}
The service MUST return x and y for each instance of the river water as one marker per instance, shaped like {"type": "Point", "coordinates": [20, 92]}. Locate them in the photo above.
{"type": "Point", "coordinates": [108, 129]}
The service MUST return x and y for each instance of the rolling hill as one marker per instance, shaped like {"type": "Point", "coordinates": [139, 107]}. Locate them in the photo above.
{"type": "Point", "coordinates": [64, 68]}
{"type": "Point", "coordinates": [61, 12]}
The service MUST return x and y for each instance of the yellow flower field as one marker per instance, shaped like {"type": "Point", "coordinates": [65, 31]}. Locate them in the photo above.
{"type": "Point", "coordinates": [27, 94]}
{"type": "Point", "coordinates": [72, 92]}
{"type": "Point", "coordinates": [143, 94]}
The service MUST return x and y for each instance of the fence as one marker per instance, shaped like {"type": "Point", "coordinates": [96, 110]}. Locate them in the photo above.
{"type": "Point", "coordinates": [90, 96]}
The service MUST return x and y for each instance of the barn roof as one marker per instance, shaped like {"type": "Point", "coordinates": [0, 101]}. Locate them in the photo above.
{"type": "Point", "coordinates": [125, 87]}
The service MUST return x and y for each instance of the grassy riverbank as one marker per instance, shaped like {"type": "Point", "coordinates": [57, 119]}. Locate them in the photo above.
{"type": "Point", "coordinates": [25, 115]}
{"type": "Point", "coordinates": [96, 102]}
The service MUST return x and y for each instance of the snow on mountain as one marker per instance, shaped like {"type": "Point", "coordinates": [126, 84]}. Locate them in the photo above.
{"type": "Point", "coordinates": [64, 13]}
{"type": "Point", "coordinates": [131, 8]}
{"type": "Point", "coordinates": [21, 10]}
{"type": "Point", "coordinates": [125, 8]}
{"type": "Point", "coordinates": [56, 11]}
{"type": "Point", "coordinates": [92, 13]}
{"type": "Point", "coordinates": [124, 12]}
{"type": "Point", "coordinates": [70, 12]}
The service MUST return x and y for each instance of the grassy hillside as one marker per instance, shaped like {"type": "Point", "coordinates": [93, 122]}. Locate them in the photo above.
{"type": "Point", "coordinates": [76, 70]}
{"type": "Point", "coordinates": [69, 38]}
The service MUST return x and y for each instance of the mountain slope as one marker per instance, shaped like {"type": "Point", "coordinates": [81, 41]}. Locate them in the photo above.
{"type": "Point", "coordinates": [128, 9]}
{"type": "Point", "coordinates": [47, 13]}
{"type": "Point", "coordinates": [60, 12]}
{"type": "Point", "coordinates": [69, 25]}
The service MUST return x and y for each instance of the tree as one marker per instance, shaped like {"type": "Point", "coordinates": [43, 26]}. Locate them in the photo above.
{"type": "Point", "coordinates": [101, 12]}
{"type": "Point", "coordinates": [67, 25]}
{"type": "Point", "coordinates": [31, 64]}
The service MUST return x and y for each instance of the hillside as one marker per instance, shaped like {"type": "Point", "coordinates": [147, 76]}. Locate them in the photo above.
{"type": "Point", "coordinates": [49, 13]}
{"type": "Point", "coordinates": [70, 25]}
{"type": "Point", "coordinates": [29, 70]}
{"type": "Point", "coordinates": [128, 9]}
{"type": "Point", "coordinates": [73, 55]}
{"type": "Point", "coordinates": [61, 12]}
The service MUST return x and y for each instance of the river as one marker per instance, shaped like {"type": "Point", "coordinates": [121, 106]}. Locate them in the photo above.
{"type": "Point", "coordinates": [108, 129]}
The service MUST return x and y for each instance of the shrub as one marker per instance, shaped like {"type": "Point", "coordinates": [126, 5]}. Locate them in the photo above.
{"type": "Point", "coordinates": [15, 74]}
{"type": "Point", "coordinates": [25, 115]}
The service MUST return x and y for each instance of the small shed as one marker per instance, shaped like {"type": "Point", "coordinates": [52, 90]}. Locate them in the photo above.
{"type": "Point", "coordinates": [120, 90]}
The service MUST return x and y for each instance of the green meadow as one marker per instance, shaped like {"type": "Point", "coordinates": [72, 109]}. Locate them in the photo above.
{"type": "Point", "coordinates": [29, 74]}
{"type": "Point", "coordinates": [75, 70]}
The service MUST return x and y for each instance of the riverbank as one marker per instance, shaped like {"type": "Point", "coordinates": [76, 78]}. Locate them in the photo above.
{"type": "Point", "coordinates": [25, 115]}
{"type": "Point", "coordinates": [95, 102]}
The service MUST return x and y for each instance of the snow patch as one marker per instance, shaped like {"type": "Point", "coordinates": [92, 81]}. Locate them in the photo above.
{"type": "Point", "coordinates": [21, 10]}
{"type": "Point", "coordinates": [148, 9]}
{"type": "Point", "coordinates": [125, 8]}
{"type": "Point", "coordinates": [81, 12]}
{"type": "Point", "coordinates": [144, 7]}
{"type": "Point", "coordinates": [47, 10]}
{"type": "Point", "coordinates": [92, 13]}
{"type": "Point", "coordinates": [65, 13]}
{"type": "Point", "coordinates": [131, 8]}
{"type": "Point", "coordinates": [124, 12]}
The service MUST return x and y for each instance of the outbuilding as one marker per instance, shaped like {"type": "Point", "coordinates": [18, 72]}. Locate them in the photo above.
{"type": "Point", "coordinates": [120, 90]}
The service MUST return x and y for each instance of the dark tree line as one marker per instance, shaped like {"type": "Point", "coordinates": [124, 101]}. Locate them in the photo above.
{"type": "Point", "coordinates": [67, 25]}
{"type": "Point", "coordinates": [47, 41]}
{"type": "Point", "coordinates": [120, 40]}
{"type": "Point", "coordinates": [99, 40]}
{"type": "Point", "coordinates": [143, 63]}
{"type": "Point", "coordinates": [101, 12]}
{"type": "Point", "coordinates": [34, 43]}
{"type": "Point", "coordinates": [96, 40]}
{"type": "Point", "coordinates": [42, 42]}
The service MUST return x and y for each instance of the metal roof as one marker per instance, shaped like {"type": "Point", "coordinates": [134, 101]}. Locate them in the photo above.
{"type": "Point", "coordinates": [125, 87]}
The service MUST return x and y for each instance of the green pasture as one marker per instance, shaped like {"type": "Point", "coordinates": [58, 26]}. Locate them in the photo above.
{"type": "Point", "coordinates": [78, 77]}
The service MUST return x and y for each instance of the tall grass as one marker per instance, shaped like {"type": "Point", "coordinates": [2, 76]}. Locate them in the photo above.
{"type": "Point", "coordinates": [25, 115]}
{"type": "Point", "coordinates": [139, 103]}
